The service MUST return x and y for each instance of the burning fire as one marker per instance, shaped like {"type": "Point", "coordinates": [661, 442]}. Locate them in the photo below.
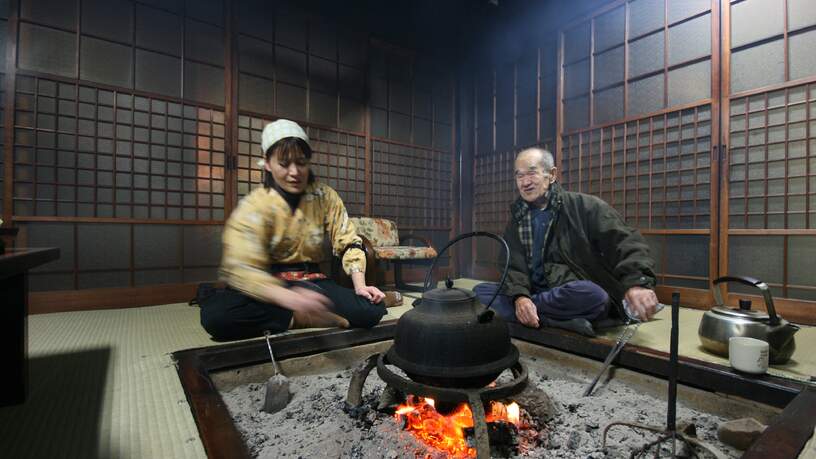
{"type": "Point", "coordinates": [447, 433]}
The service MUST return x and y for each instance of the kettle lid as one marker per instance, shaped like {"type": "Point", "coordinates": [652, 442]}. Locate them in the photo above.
{"type": "Point", "coordinates": [449, 295]}
{"type": "Point", "coordinates": [748, 314]}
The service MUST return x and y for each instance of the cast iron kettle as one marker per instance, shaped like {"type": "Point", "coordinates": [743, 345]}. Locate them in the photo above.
{"type": "Point", "coordinates": [450, 339]}
{"type": "Point", "coordinates": [721, 323]}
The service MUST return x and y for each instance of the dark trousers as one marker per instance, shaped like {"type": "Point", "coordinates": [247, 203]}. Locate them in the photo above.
{"type": "Point", "coordinates": [229, 314]}
{"type": "Point", "coordinates": [577, 299]}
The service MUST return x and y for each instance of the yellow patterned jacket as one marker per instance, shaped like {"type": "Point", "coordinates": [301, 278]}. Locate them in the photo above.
{"type": "Point", "coordinates": [262, 230]}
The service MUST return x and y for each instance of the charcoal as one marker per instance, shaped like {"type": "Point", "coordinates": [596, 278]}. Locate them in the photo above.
{"type": "Point", "coordinates": [574, 440]}
{"type": "Point", "coordinates": [389, 399]}
{"type": "Point", "coordinates": [503, 438]}
{"type": "Point", "coordinates": [537, 403]}
{"type": "Point", "coordinates": [740, 433]}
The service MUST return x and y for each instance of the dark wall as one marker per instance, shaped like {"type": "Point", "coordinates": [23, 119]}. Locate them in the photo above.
{"type": "Point", "coordinates": [512, 79]}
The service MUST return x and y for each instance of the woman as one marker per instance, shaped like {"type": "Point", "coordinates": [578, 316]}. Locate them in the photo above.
{"type": "Point", "coordinates": [273, 242]}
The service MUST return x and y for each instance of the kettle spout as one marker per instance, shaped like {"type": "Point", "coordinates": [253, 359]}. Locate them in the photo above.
{"type": "Point", "coordinates": [782, 343]}
{"type": "Point", "coordinates": [486, 316]}
{"type": "Point", "coordinates": [784, 333]}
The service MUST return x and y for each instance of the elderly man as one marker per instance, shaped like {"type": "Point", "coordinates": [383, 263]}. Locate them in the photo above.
{"type": "Point", "coordinates": [571, 256]}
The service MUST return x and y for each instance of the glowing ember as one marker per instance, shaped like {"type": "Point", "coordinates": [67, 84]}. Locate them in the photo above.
{"type": "Point", "coordinates": [447, 433]}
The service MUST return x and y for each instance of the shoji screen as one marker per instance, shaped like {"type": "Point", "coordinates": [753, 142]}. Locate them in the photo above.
{"type": "Point", "coordinates": [134, 128]}
{"type": "Point", "coordinates": [638, 121]}
{"type": "Point", "coordinates": [769, 198]}
{"type": "Point", "coordinates": [119, 140]}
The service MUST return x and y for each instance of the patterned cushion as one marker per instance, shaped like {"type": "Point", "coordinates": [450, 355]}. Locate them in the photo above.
{"type": "Point", "coordinates": [404, 252]}
{"type": "Point", "coordinates": [379, 231]}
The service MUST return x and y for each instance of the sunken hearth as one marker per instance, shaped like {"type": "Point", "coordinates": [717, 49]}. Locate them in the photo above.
{"type": "Point", "coordinates": [342, 406]}
{"type": "Point", "coordinates": [326, 417]}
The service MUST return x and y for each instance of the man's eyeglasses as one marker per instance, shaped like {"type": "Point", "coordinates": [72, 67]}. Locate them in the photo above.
{"type": "Point", "coordinates": [530, 174]}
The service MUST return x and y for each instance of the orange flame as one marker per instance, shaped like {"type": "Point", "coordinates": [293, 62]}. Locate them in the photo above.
{"type": "Point", "coordinates": [446, 433]}
{"type": "Point", "coordinates": [514, 413]}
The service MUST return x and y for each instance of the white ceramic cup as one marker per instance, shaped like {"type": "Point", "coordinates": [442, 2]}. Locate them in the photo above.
{"type": "Point", "coordinates": [748, 354]}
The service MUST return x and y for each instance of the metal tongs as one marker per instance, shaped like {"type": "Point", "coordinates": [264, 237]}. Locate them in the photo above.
{"type": "Point", "coordinates": [630, 327]}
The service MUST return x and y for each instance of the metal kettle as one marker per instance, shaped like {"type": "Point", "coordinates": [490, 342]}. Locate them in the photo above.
{"type": "Point", "coordinates": [450, 339]}
{"type": "Point", "coordinates": [721, 323]}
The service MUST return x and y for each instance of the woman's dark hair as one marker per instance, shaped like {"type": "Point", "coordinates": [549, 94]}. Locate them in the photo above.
{"type": "Point", "coordinates": [287, 150]}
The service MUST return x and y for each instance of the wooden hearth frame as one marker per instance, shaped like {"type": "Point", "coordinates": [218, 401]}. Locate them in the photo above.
{"type": "Point", "coordinates": [784, 438]}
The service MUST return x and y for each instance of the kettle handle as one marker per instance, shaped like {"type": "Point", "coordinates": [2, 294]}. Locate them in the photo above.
{"type": "Point", "coordinates": [426, 285]}
{"type": "Point", "coordinates": [751, 282]}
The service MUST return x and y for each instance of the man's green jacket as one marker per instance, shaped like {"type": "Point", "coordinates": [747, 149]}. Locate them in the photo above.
{"type": "Point", "coordinates": [588, 240]}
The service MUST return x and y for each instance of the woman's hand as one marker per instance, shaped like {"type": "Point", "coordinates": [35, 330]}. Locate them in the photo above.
{"type": "Point", "coordinates": [372, 294]}
{"type": "Point", "coordinates": [303, 299]}
{"type": "Point", "coordinates": [298, 299]}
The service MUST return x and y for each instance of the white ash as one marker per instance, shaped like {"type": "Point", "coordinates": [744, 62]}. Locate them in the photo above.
{"type": "Point", "coordinates": [577, 430]}
{"type": "Point", "coordinates": [314, 423]}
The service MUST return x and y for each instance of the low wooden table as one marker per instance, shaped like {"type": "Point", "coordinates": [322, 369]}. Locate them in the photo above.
{"type": "Point", "coordinates": [14, 266]}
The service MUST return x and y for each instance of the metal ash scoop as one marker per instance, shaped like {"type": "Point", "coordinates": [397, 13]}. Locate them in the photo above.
{"type": "Point", "coordinates": [631, 326]}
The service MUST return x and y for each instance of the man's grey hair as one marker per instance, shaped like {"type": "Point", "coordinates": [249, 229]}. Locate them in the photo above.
{"type": "Point", "coordinates": [547, 160]}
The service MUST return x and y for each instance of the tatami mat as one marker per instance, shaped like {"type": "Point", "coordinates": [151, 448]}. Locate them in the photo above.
{"type": "Point", "coordinates": [809, 451]}
{"type": "Point", "coordinates": [655, 335]}
{"type": "Point", "coordinates": [102, 383]}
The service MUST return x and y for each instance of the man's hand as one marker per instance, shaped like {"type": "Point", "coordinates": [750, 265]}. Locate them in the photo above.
{"type": "Point", "coordinates": [526, 312]}
{"type": "Point", "coordinates": [642, 301]}
{"type": "Point", "coordinates": [372, 294]}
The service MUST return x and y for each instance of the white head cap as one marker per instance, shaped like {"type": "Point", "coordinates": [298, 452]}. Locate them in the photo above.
{"type": "Point", "coordinates": [281, 129]}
